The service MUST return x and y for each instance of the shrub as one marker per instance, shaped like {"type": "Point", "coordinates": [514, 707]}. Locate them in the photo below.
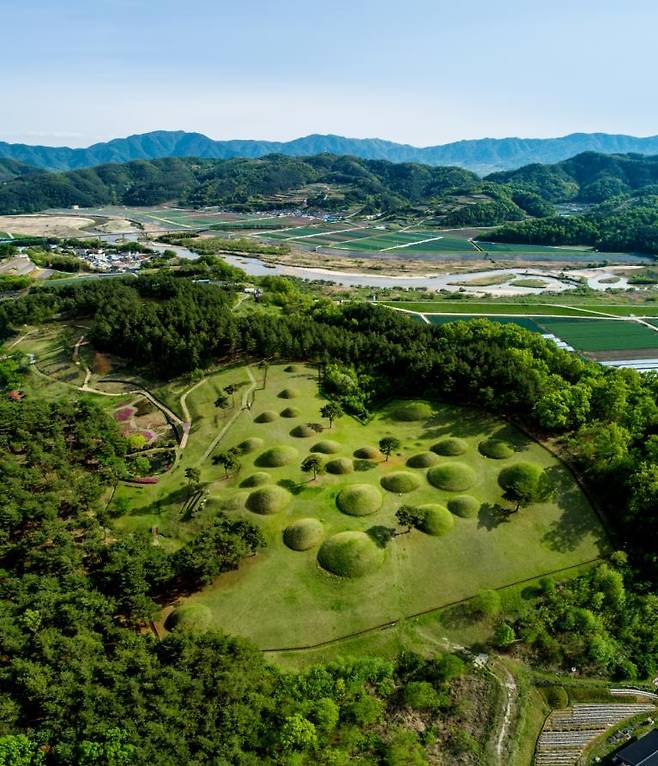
{"type": "Point", "coordinates": [486, 603]}
{"type": "Point", "coordinates": [556, 696]}
{"type": "Point", "coordinates": [421, 695]}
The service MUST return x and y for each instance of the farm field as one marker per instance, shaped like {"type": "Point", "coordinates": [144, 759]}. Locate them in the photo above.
{"type": "Point", "coordinates": [602, 334]}
{"type": "Point", "coordinates": [468, 307]}
{"type": "Point", "coordinates": [402, 576]}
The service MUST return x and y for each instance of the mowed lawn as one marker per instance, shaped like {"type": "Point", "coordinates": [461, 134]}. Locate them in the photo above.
{"type": "Point", "coordinates": [283, 598]}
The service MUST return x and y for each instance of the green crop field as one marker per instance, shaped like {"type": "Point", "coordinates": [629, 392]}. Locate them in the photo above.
{"type": "Point", "coordinates": [468, 307]}
{"type": "Point", "coordinates": [329, 553]}
{"type": "Point", "coordinates": [504, 247]}
{"type": "Point", "coordinates": [602, 334]}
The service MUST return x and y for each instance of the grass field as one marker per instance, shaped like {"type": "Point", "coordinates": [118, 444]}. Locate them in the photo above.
{"type": "Point", "coordinates": [413, 572]}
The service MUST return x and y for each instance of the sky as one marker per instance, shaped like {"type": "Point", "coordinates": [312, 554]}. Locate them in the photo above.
{"type": "Point", "coordinates": [424, 72]}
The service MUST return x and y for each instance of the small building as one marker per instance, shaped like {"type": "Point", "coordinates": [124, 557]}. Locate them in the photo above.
{"type": "Point", "coordinates": [643, 752]}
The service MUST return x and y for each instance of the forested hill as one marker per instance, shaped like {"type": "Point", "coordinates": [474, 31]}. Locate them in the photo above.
{"type": "Point", "coordinates": [589, 177]}
{"type": "Point", "coordinates": [332, 182]}
{"type": "Point", "coordinates": [198, 182]}
{"type": "Point", "coordinates": [481, 155]}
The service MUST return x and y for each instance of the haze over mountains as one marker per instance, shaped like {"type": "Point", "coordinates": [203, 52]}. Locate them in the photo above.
{"type": "Point", "coordinates": [482, 156]}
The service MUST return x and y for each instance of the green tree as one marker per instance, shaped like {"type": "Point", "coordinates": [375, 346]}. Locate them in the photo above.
{"type": "Point", "coordinates": [332, 411]}
{"type": "Point", "coordinates": [298, 733]}
{"type": "Point", "coordinates": [408, 517]}
{"type": "Point", "coordinates": [313, 464]}
{"type": "Point", "coordinates": [388, 445]}
{"type": "Point", "coordinates": [486, 603]}
{"type": "Point", "coordinates": [193, 476]}
{"type": "Point", "coordinates": [18, 750]}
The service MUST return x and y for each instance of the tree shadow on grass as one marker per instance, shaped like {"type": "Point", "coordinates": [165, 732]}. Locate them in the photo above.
{"type": "Point", "coordinates": [294, 487]}
{"type": "Point", "coordinates": [381, 535]}
{"type": "Point", "coordinates": [470, 424]}
{"type": "Point", "coordinates": [492, 515]}
{"type": "Point", "coordinates": [364, 465]}
{"type": "Point", "coordinates": [577, 520]}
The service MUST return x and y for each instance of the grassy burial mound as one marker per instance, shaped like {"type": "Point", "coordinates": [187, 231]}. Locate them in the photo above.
{"type": "Point", "coordinates": [522, 474]}
{"type": "Point", "coordinates": [234, 503]}
{"type": "Point", "coordinates": [359, 500]}
{"type": "Point", "coordinates": [276, 457]}
{"type": "Point", "coordinates": [451, 447]}
{"type": "Point", "coordinates": [191, 617]}
{"type": "Point", "coordinates": [452, 477]}
{"type": "Point", "coordinates": [350, 554]}
{"type": "Point", "coordinates": [294, 368]}
{"type": "Point", "coordinates": [302, 432]}
{"type": "Point", "coordinates": [267, 500]}
{"type": "Point", "coordinates": [367, 453]}
{"type": "Point", "coordinates": [412, 411]}
{"type": "Point", "coordinates": [423, 460]}
{"type": "Point", "coordinates": [326, 447]}
{"type": "Point", "coordinates": [252, 444]}
{"type": "Point", "coordinates": [257, 479]}
{"type": "Point", "coordinates": [288, 393]}
{"type": "Point", "coordinates": [285, 598]}
{"type": "Point", "coordinates": [268, 416]}
{"type": "Point", "coordinates": [303, 535]}
{"type": "Point", "coordinates": [400, 482]}
{"type": "Point", "coordinates": [290, 412]}
{"type": "Point", "coordinates": [436, 520]}
{"type": "Point", "coordinates": [496, 449]}
{"type": "Point", "coordinates": [464, 506]}
{"type": "Point", "coordinates": [340, 466]}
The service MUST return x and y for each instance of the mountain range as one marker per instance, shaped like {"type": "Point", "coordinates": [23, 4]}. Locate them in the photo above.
{"type": "Point", "coordinates": [482, 156]}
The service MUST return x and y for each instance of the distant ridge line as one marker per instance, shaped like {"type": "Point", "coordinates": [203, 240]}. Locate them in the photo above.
{"type": "Point", "coordinates": [482, 156]}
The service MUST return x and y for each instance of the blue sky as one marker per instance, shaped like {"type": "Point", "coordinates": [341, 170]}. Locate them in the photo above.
{"type": "Point", "coordinates": [73, 72]}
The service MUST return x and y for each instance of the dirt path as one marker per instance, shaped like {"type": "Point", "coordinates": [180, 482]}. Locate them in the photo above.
{"type": "Point", "coordinates": [243, 405]}
{"type": "Point", "coordinates": [187, 423]}
{"type": "Point", "coordinates": [508, 684]}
